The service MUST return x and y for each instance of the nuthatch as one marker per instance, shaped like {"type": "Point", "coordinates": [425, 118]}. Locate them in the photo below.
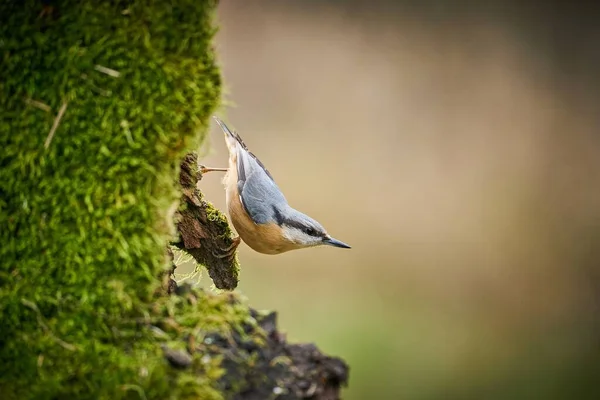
{"type": "Point", "coordinates": [259, 211]}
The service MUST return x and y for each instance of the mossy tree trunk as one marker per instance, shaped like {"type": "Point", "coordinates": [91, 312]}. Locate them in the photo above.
{"type": "Point", "coordinates": [99, 102]}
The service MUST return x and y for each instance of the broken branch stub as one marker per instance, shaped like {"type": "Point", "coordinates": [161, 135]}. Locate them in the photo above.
{"type": "Point", "coordinates": [204, 232]}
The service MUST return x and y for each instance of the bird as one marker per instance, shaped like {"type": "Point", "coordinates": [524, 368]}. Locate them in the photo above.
{"type": "Point", "coordinates": [259, 211]}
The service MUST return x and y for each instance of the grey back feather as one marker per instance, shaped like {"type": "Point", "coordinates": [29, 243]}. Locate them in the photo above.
{"type": "Point", "coordinates": [264, 201]}
{"type": "Point", "coordinates": [260, 195]}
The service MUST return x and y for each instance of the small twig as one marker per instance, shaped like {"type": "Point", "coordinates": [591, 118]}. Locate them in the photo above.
{"type": "Point", "coordinates": [46, 328]}
{"type": "Point", "coordinates": [59, 116]}
{"type": "Point", "coordinates": [203, 169]}
{"type": "Point", "coordinates": [38, 104]}
{"type": "Point", "coordinates": [107, 71]}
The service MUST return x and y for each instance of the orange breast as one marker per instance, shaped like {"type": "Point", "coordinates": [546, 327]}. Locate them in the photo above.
{"type": "Point", "coordinates": [263, 238]}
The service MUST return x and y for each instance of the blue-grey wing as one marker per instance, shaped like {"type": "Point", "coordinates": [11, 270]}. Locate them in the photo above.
{"type": "Point", "coordinates": [260, 195]}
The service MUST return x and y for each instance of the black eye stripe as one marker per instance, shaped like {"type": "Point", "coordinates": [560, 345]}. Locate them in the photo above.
{"type": "Point", "coordinates": [281, 220]}
{"type": "Point", "coordinates": [294, 224]}
{"type": "Point", "coordinates": [309, 231]}
{"type": "Point", "coordinates": [303, 228]}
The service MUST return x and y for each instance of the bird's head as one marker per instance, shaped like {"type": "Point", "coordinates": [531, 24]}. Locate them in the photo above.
{"type": "Point", "coordinates": [303, 231]}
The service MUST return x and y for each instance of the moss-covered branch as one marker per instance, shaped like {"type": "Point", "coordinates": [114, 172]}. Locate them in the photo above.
{"type": "Point", "coordinates": [204, 232]}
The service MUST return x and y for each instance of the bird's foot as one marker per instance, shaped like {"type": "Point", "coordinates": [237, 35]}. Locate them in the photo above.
{"type": "Point", "coordinates": [229, 251]}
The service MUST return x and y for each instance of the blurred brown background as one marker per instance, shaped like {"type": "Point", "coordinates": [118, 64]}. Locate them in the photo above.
{"type": "Point", "coordinates": [455, 146]}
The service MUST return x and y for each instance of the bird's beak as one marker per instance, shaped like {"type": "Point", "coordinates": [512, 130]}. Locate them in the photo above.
{"type": "Point", "coordinates": [334, 242]}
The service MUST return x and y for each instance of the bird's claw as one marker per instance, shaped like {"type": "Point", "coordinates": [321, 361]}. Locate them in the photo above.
{"type": "Point", "coordinates": [230, 251]}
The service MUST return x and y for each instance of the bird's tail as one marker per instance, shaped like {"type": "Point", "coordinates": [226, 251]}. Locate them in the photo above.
{"type": "Point", "coordinates": [231, 138]}
{"type": "Point", "coordinates": [233, 141]}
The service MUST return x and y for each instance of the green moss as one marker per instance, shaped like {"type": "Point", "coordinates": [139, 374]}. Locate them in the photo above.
{"type": "Point", "coordinates": [225, 269]}
{"type": "Point", "coordinates": [218, 217]}
{"type": "Point", "coordinates": [86, 219]}
{"type": "Point", "coordinates": [221, 226]}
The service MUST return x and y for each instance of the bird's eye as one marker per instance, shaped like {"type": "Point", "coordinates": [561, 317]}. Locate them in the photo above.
{"type": "Point", "coordinates": [310, 231]}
